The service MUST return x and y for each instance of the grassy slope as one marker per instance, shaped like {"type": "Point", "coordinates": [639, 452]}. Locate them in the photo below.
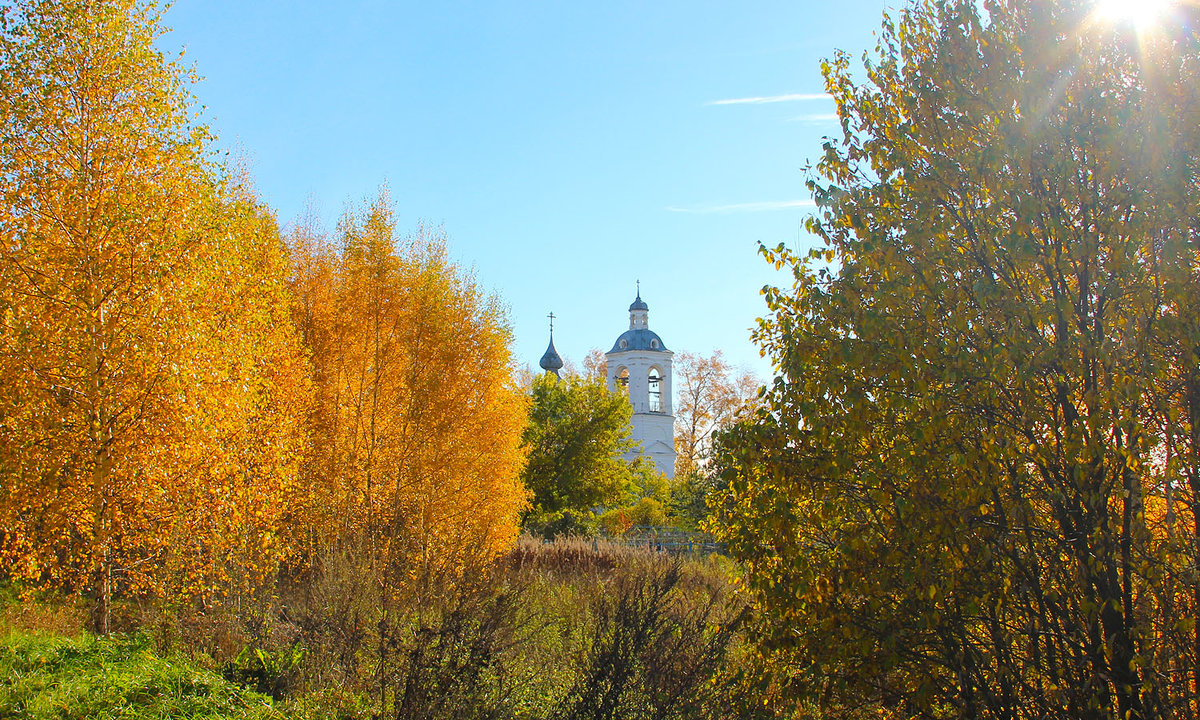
{"type": "Point", "coordinates": [50, 676]}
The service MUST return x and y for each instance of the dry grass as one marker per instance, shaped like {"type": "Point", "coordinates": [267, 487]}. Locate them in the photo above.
{"type": "Point", "coordinates": [573, 628]}
{"type": "Point", "coordinates": [577, 556]}
{"type": "Point", "coordinates": [31, 613]}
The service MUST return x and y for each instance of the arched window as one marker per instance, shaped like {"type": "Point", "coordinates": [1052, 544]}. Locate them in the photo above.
{"type": "Point", "coordinates": [655, 384]}
{"type": "Point", "coordinates": [623, 380]}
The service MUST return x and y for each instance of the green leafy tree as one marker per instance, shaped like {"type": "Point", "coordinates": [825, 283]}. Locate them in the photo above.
{"type": "Point", "coordinates": [576, 435]}
{"type": "Point", "coordinates": [972, 490]}
{"type": "Point", "coordinates": [647, 502]}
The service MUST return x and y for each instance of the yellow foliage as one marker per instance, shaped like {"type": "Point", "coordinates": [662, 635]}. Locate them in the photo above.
{"type": "Point", "coordinates": [417, 423]}
{"type": "Point", "coordinates": [149, 370]}
{"type": "Point", "coordinates": [162, 431]}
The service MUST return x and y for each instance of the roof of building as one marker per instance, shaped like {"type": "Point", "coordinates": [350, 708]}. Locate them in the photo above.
{"type": "Point", "coordinates": [639, 303]}
{"type": "Point", "coordinates": [640, 339]}
{"type": "Point", "coordinates": [550, 360]}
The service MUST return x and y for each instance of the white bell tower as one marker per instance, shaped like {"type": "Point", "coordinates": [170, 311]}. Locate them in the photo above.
{"type": "Point", "coordinates": [640, 366]}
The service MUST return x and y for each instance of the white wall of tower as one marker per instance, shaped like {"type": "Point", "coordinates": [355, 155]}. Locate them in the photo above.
{"type": "Point", "coordinates": [638, 364]}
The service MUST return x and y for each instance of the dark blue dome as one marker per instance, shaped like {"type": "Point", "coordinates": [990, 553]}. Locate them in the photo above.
{"type": "Point", "coordinates": [640, 339]}
{"type": "Point", "coordinates": [639, 304]}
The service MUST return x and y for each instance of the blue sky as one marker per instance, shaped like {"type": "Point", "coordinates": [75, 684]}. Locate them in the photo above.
{"type": "Point", "coordinates": [568, 149]}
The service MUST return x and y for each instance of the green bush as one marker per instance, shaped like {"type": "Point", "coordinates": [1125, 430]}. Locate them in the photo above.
{"type": "Point", "coordinates": [561, 523]}
{"type": "Point", "coordinates": [273, 673]}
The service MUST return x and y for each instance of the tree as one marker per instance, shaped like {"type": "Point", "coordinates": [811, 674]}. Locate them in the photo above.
{"type": "Point", "coordinates": [118, 242]}
{"type": "Point", "coordinates": [240, 430]}
{"type": "Point", "coordinates": [972, 490]}
{"type": "Point", "coordinates": [577, 433]}
{"type": "Point", "coordinates": [710, 397]}
{"type": "Point", "coordinates": [595, 365]}
{"type": "Point", "coordinates": [417, 420]}
{"type": "Point", "coordinates": [644, 505]}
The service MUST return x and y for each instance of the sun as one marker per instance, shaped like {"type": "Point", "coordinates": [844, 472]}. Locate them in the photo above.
{"type": "Point", "coordinates": [1141, 13]}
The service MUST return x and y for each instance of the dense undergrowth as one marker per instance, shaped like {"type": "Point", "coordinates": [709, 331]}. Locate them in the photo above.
{"type": "Point", "coordinates": [562, 630]}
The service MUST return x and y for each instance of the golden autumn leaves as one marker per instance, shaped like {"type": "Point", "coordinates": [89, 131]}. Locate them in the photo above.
{"type": "Point", "coordinates": [184, 400]}
{"type": "Point", "coordinates": [417, 418]}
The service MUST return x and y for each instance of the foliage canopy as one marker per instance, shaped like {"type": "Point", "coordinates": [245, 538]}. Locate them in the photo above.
{"type": "Point", "coordinates": [149, 412]}
{"type": "Point", "coordinates": [417, 421]}
{"type": "Point", "coordinates": [184, 403]}
{"type": "Point", "coordinates": [973, 489]}
{"type": "Point", "coordinates": [576, 435]}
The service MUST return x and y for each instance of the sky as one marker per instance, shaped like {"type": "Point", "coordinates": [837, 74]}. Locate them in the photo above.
{"type": "Point", "coordinates": [568, 149]}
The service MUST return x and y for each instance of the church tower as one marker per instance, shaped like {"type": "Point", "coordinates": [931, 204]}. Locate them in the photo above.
{"type": "Point", "coordinates": [639, 365]}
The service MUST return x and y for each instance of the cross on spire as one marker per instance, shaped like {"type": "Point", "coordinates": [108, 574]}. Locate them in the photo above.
{"type": "Point", "coordinates": [551, 316]}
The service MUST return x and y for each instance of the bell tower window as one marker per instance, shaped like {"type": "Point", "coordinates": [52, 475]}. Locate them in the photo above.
{"type": "Point", "coordinates": [623, 380]}
{"type": "Point", "coordinates": [655, 390]}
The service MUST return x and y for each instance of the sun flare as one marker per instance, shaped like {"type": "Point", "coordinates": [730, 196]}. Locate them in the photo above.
{"type": "Point", "coordinates": [1141, 13]}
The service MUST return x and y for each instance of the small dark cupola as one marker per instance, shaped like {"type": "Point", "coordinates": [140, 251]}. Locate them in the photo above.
{"type": "Point", "coordinates": [638, 303]}
{"type": "Point", "coordinates": [638, 311]}
{"type": "Point", "coordinates": [550, 361]}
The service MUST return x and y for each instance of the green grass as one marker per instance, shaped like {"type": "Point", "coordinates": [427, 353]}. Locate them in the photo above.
{"type": "Point", "coordinates": [50, 676]}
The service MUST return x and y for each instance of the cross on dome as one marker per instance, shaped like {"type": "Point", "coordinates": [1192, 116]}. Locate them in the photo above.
{"type": "Point", "coordinates": [551, 362]}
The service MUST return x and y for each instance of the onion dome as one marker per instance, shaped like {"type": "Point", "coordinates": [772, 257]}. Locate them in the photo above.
{"type": "Point", "coordinates": [551, 362]}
